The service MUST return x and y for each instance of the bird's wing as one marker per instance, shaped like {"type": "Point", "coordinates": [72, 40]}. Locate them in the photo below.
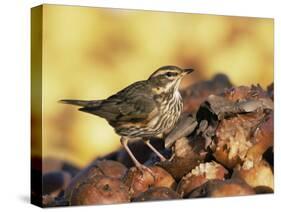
{"type": "Point", "coordinates": [136, 109]}
{"type": "Point", "coordinates": [132, 104]}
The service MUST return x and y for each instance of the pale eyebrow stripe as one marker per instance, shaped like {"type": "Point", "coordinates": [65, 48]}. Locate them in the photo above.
{"type": "Point", "coordinates": [165, 71]}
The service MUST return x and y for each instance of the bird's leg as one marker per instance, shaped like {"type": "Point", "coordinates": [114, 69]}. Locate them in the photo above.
{"type": "Point", "coordinates": [162, 158]}
{"type": "Point", "coordinates": [124, 142]}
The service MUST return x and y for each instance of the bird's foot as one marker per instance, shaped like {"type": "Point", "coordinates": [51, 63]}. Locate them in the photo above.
{"type": "Point", "coordinates": [144, 169]}
{"type": "Point", "coordinates": [162, 158]}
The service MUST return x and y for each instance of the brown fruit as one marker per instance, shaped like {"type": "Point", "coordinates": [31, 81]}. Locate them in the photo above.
{"type": "Point", "coordinates": [162, 178]}
{"type": "Point", "coordinates": [259, 175]}
{"type": "Point", "coordinates": [200, 175]}
{"type": "Point", "coordinates": [98, 168]}
{"type": "Point", "coordinates": [111, 168]}
{"type": "Point", "coordinates": [262, 139]}
{"type": "Point", "coordinates": [234, 138]}
{"type": "Point", "coordinates": [187, 155]}
{"type": "Point", "coordinates": [139, 181]}
{"type": "Point", "coordinates": [157, 193]}
{"type": "Point", "coordinates": [245, 92]}
{"type": "Point", "coordinates": [100, 190]}
{"type": "Point", "coordinates": [222, 188]}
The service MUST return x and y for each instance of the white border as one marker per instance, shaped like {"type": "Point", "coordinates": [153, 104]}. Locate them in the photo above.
{"type": "Point", "coordinates": [15, 98]}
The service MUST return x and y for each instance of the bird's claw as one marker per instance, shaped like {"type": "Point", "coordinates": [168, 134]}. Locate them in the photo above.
{"type": "Point", "coordinates": [145, 169]}
{"type": "Point", "coordinates": [162, 159]}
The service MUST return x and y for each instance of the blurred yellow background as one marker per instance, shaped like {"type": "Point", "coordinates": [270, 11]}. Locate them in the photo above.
{"type": "Point", "coordinates": [91, 53]}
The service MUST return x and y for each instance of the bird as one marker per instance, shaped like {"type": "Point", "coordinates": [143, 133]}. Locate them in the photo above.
{"type": "Point", "coordinates": [142, 110]}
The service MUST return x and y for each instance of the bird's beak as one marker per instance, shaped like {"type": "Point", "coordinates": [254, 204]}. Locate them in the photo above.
{"type": "Point", "coordinates": [188, 70]}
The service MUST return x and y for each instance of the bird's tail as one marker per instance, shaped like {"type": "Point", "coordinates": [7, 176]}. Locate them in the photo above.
{"type": "Point", "coordinates": [82, 103]}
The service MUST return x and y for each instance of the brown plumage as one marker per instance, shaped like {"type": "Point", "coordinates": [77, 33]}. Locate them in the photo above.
{"type": "Point", "coordinates": [143, 109]}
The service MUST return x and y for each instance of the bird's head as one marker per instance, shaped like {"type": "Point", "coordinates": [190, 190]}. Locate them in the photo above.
{"type": "Point", "coordinates": [167, 78]}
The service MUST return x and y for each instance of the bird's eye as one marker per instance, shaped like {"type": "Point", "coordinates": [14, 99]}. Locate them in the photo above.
{"type": "Point", "coordinates": [171, 74]}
